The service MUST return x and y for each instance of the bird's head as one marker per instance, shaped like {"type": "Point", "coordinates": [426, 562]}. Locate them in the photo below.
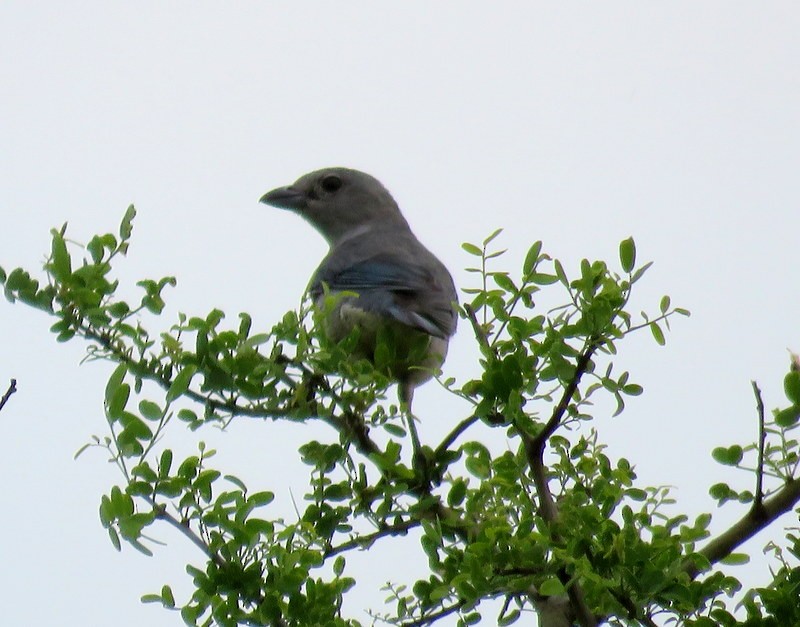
{"type": "Point", "coordinates": [338, 202]}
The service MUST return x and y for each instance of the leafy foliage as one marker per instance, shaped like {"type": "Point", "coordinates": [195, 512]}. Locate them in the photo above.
{"type": "Point", "coordinates": [552, 518]}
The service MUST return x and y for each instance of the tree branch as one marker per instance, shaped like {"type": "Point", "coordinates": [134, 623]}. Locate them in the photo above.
{"type": "Point", "coordinates": [12, 387]}
{"type": "Point", "coordinates": [366, 541]}
{"type": "Point", "coordinates": [534, 451]}
{"type": "Point", "coordinates": [535, 445]}
{"type": "Point", "coordinates": [478, 330]}
{"type": "Point", "coordinates": [432, 618]}
{"type": "Point", "coordinates": [748, 526]}
{"type": "Point", "coordinates": [185, 529]}
{"type": "Point", "coordinates": [348, 424]}
{"type": "Point", "coordinates": [560, 409]}
{"type": "Point", "coordinates": [758, 502]}
{"type": "Point", "coordinates": [455, 433]}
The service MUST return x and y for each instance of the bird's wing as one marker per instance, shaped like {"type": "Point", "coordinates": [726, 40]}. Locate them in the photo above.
{"type": "Point", "coordinates": [394, 287]}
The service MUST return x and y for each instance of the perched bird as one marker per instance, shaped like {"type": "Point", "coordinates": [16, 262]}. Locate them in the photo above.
{"type": "Point", "coordinates": [394, 287]}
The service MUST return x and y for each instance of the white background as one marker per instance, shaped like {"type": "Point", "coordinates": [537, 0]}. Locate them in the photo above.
{"type": "Point", "coordinates": [575, 124]}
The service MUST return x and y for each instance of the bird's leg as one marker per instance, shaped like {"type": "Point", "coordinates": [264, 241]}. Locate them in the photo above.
{"type": "Point", "coordinates": [418, 461]}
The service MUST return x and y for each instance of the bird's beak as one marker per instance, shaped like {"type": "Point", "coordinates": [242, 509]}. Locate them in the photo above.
{"type": "Point", "coordinates": [285, 198]}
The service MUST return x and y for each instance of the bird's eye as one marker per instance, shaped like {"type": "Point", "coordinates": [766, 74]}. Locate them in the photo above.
{"type": "Point", "coordinates": [331, 183]}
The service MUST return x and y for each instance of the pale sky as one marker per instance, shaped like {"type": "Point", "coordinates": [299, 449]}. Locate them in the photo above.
{"type": "Point", "coordinates": [580, 125]}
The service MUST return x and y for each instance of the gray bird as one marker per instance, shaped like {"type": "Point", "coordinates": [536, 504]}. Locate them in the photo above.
{"type": "Point", "coordinates": [395, 287]}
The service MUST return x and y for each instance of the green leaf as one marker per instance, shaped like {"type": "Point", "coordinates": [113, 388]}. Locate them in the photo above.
{"type": "Point", "coordinates": [167, 597]}
{"type": "Point", "coordinates": [627, 254]}
{"type": "Point", "coordinates": [551, 587]}
{"type": "Point", "coordinates": [560, 273]}
{"type": "Point", "coordinates": [640, 272]}
{"type": "Point", "coordinates": [114, 381]}
{"type": "Point", "coordinates": [259, 526]}
{"type": "Point", "coordinates": [504, 282]}
{"type": "Point", "coordinates": [540, 278]}
{"type": "Point", "coordinates": [135, 427]}
{"type": "Point", "coordinates": [150, 410]}
{"type": "Point", "coordinates": [187, 415]}
{"type": "Point", "coordinates": [720, 491]}
{"type": "Point", "coordinates": [396, 430]}
{"type": "Point", "coordinates": [126, 226]}
{"type": "Point", "coordinates": [457, 493]}
{"type": "Point", "coordinates": [729, 456]}
{"type": "Point", "coordinates": [636, 494]}
{"type": "Point", "coordinates": [95, 248]}
{"type": "Point", "coordinates": [472, 249]}
{"type": "Point", "coordinates": [140, 547]}
{"type": "Point", "coordinates": [80, 451]}
{"type": "Point", "coordinates": [736, 559]}
{"type": "Point", "coordinates": [61, 265]}
{"type": "Point", "coordinates": [791, 385]}
{"type": "Point", "coordinates": [144, 471]}
{"type": "Point", "coordinates": [203, 482]}
{"type": "Point", "coordinates": [439, 593]}
{"type": "Point", "coordinates": [509, 619]}
{"type": "Point", "coordinates": [658, 334]}
{"type": "Point", "coordinates": [531, 258]}
{"type": "Point", "coordinates": [188, 467]}
{"type": "Point", "coordinates": [181, 383]}
{"type": "Point", "coordinates": [237, 482]}
{"type": "Point", "coordinates": [114, 537]}
{"type": "Point", "coordinates": [488, 240]}
{"type": "Point", "coordinates": [478, 459]}
{"type": "Point", "coordinates": [259, 499]}
{"type": "Point", "coordinates": [338, 566]}
{"type": "Point", "coordinates": [664, 304]}
{"type": "Point", "coordinates": [165, 463]}
{"type": "Point", "coordinates": [118, 401]}
{"type": "Point", "coordinates": [632, 389]}
{"type": "Point", "coordinates": [788, 417]}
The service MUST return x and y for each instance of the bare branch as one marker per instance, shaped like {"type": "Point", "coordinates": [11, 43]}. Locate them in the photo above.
{"type": "Point", "coordinates": [432, 618]}
{"type": "Point", "coordinates": [366, 541]}
{"type": "Point", "coordinates": [12, 387]}
{"type": "Point", "coordinates": [455, 433]}
{"type": "Point", "coordinates": [758, 503]}
{"type": "Point", "coordinates": [186, 530]}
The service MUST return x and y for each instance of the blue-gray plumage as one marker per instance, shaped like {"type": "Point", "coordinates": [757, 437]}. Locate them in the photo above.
{"type": "Point", "coordinates": [402, 289]}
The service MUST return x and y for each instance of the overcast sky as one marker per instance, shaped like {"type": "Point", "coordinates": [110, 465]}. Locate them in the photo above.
{"type": "Point", "coordinates": [579, 125]}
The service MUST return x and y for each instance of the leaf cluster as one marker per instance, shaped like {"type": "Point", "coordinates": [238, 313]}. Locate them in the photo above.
{"type": "Point", "coordinates": [549, 518]}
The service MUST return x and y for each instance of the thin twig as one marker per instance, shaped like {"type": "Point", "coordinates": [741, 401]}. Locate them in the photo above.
{"type": "Point", "coordinates": [477, 328]}
{"type": "Point", "coordinates": [563, 404]}
{"type": "Point", "coordinates": [432, 618]}
{"type": "Point", "coordinates": [451, 437]}
{"type": "Point", "coordinates": [354, 428]}
{"type": "Point", "coordinates": [186, 530]}
{"type": "Point", "coordinates": [758, 502]}
{"type": "Point", "coordinates": [366, 541]}
{"type": "Point", "coordinates": [12, 387]}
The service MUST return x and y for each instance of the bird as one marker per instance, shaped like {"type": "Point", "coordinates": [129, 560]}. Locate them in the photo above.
{"type": "Point", "coordinates": [384, 281]}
